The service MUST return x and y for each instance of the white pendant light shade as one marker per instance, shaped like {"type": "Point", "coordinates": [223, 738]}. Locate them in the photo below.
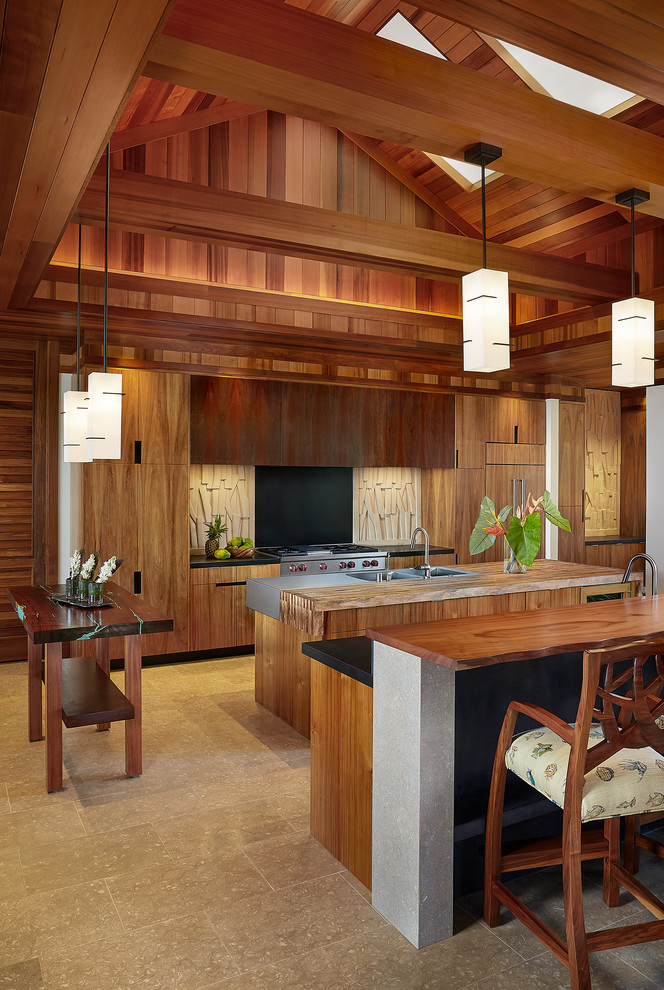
{"type": "Point", "coordinates": [633, 342]}
{"type": "Point", "coordinates": [486, 327]}
{"type": "Point", "coordinates": [75, 427]}
{"type": "Point", "coordinates": [105, 416]}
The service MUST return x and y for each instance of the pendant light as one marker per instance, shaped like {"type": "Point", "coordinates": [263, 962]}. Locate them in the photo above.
{"type": "Point", "coordinates": [76, 402]}
{"type": "Point", "coordinates": [105, 416]}
{"type": "Point", "coordinates": [485, 293]}
{"type": "Point", "coordinates": [633, 323]}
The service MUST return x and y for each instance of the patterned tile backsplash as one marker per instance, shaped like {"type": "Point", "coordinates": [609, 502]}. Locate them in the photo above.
{"type": "Point", "coordinates": [386, 502]}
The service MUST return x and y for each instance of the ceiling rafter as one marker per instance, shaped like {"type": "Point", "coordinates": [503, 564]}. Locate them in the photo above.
{"type": "Point", "coordinates": [157, 130]}
{"type": "Point", "coordinates": [166, 207]}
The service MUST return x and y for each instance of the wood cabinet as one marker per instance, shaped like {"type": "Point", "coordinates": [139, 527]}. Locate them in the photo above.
{"type": "Point", "coordinates": [296, 423]}
{"type": "Point", "coordinates": [523, 463]}
{"type": "Point", "coordinates": [470, 489]}
{"type": "Point", "coordinates": [218, 615]}
{"type": "Point", "coordinates": [234, 421]}
{"type": "Point", "coordinates": [571, 479]}
{"type": "Point", "coordinates": [137, 508]}
{"type": "Point", "coordinates": [470, 430]}
{"type": "Point", "coordinates": [513, 420]}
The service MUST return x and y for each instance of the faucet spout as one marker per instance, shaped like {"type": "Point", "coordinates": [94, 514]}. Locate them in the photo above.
{"type": "Point", "coordinates": [653, 569]}
{"type": "Point", "coordinates": [426, 566]}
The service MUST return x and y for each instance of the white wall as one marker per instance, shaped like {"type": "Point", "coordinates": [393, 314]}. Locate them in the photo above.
{"type": "Point", "coordinates": [655, 476]}
{"type": "Point", "coordinates": [69, 499]}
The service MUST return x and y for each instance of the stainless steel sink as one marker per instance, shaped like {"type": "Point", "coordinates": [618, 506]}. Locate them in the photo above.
{"type": "Point", "coordinates": [413, 574]}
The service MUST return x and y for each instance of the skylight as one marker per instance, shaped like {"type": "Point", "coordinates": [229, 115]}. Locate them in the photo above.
{"type": "Point", "coordinates": [402, 31]}
{"type": "Point", "coordinates": [569, 85]}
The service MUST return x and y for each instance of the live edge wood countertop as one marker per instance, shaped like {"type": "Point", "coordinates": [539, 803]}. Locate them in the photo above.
{"type": "Point", "coordinates": [304, 607]}
{"type": "Point", "coordinates": [462, 644]}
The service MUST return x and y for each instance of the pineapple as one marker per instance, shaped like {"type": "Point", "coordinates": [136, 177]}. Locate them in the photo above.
{"type": "Point", "coordinates": [215, 529]}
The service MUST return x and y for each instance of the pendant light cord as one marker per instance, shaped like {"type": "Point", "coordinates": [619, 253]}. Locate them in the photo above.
{"type": "Point", "coordinates": [108, 179]}
{"type": "Point", "coordinates": [633, 251]}
{"type": "Point", "coordinates": [78, 316]}
{"type": "Point", "coordinates": [483, 215]}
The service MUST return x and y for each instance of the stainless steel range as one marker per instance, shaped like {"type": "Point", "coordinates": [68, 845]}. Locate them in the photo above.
{"type": "Point", "coordinates": [332, 558]}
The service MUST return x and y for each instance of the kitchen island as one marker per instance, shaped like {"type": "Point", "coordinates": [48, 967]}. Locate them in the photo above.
{"type": "Point", "coordinates": [418, 673]}
{"type": "Point", "coordinates": [293, 610]}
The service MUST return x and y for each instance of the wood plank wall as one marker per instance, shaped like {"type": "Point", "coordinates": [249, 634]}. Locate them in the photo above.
{"type": "Point", "coordinates": [28, 479]}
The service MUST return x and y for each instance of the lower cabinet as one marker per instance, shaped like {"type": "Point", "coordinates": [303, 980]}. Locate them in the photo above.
{"type": "Point", "coordinates": [218, 615]}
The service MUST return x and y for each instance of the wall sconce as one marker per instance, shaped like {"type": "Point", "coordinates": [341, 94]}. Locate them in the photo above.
{"type": "Point", "coordinates": [76, 403]}
{"type": "Point", "coordinates": [486, 325]}
{"type": "Point", "coordinates": [105, 389]}
{"type": "Point", "coordinates": [633, 323]}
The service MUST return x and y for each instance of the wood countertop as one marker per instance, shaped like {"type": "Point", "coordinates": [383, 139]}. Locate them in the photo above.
{"type": "Point", "coordinates": [462, 644]}
{"type": "Point", "coordinates": [298, 606]}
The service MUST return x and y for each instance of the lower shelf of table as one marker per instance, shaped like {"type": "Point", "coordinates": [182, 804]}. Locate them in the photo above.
{"type": "Point", "coordinates": [89, 696]}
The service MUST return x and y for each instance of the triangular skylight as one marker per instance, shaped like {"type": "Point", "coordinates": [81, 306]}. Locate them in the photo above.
{"type": "Point", "coordinates": [402, 31]}
{"type": "Point", "coordinates": [569, 85]}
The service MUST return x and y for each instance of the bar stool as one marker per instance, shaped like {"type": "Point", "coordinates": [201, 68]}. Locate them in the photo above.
{"type": "Point", "coordinates": [607, 765]}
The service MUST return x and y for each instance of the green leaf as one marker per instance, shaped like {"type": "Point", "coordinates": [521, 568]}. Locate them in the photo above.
{"type": "Point", "coordinates": [525, 540]}
{"type": "Point", "coordinates": [479, 540]}
{"type": "Point", "coordinates": [553, 514]}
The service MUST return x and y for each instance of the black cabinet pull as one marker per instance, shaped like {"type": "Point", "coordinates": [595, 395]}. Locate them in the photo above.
{"type": "Point", "coordinates": [229, 584]}
{"type": "Point", "coordinates": [137, 582]}
{"type": "Point", "coordinates": [138, 451]}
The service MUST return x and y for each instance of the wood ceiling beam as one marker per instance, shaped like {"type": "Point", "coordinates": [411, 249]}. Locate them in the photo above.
{"type": "Point", "coordinates": [168, 285]}
{"type": "Point", "coordinates": [132, 137]}
{"type": "Point", "coordinates": [601, 38]}
{"type": "Point", "coordinates": [434, 202]}
{"type": "Point", "coordinates": [169, 208]}
{"type": "Point", "coordinates": [271, 54]}
{"type": "Point", "coordinates": [94, 54]}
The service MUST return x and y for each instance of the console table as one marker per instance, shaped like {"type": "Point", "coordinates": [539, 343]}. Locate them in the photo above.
{"type": "Point", "coordinates": [79, 690]}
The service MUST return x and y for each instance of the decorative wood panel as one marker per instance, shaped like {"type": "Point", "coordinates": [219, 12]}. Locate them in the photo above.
{"type": "Point", "coordinates": [387, 504]}
{"type": "Point", "coordinates": [17, 381]}
{"type": "Point", "coordinates": [225, 490]}
{"type": "Point", "coordinates": [633, 466]}
{"type": "Point", "coordinates": [602, 488]}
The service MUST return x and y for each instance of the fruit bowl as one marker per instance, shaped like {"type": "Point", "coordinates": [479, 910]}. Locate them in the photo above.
{"type": "Point", "coordinates": [241, 551]}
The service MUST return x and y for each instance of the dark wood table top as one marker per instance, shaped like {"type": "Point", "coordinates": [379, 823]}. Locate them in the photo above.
{"type": "Point", "coordinates": [482, 640]}
{"type": "Point", "coordinates": [47, 621]}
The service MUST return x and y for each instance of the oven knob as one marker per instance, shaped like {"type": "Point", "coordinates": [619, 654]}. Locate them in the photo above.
{"type": "Point", "coordinates": [342, 563]}
{"type": "Point", "coordinates": [366, 563]}
{"type": "Point", "coordinates": [303, 567]}
{"type": "Point", "coordinates": [374, 563]}
{"type": "Point", "coordinates": [323, 567]}
{"type": "Point", "coordinates": [351, 563]}
{"type": "Point", "coordinates": [293, 567]}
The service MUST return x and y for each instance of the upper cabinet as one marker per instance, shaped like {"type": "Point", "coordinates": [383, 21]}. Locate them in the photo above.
{"type": "Point", "coordinates": [155, 418]}
{"type": "Point", "coordinates": [511, 420]}
{"type": "Point", "coordinates": [234, 421]}
{"type": "Point", "coordinates": [244, 422]}
{"type": "Point", "coordinates": [469, 430]}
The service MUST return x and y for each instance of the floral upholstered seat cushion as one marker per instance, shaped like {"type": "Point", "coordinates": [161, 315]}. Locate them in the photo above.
{"type": "Point", "coordinates": [631, 782]}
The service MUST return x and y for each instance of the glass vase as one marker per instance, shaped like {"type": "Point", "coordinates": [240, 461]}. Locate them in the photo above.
{"type": "Point", "coordinates": [95, 592]}
{"type": "Point", "coordinates": [71, 587]}
{"type": "Point", "coordinates": [511, 565]}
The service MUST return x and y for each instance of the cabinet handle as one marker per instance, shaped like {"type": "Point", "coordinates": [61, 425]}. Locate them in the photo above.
{"type": "Point", "coordinates": [138, 451]}
{"type": "Point", "coordinates": [137, 582]}
{"type": "Point", "coordinates": [229, 584]}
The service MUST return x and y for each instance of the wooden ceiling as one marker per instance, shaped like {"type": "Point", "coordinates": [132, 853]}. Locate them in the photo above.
{"type": "Point", "coordinates": [274, 206]}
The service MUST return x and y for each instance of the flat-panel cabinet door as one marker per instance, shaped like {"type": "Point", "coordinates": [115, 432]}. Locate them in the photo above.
{"type": "Point", "coordinates": [219, 618]}
{"type": "Point", "coordinates": [499, 489]}
{"type": "Point", "coordinates": [235, 421]}
{"type": "Point", "coordinates": [470, 430]}
{"type": "Point", "coordinates": [420, 429]}
{"type": "Point", "coordinates": [163, 419]}
{"type": "Point", "coordinates": [572, 453]}
{"type": "Point", "coordinates": [512, 420]}
{"type": "Point", "coordinates": [164, 550]}
{"type": "Point", "coordinates": [110, 516]}
{"type": "Point", "coordinates": [332, 426]}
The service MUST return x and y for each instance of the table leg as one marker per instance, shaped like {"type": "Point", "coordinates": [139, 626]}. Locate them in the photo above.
{"type": "Point", "coordinates": [53, 717]}
{"type": "Point", "coordinates": [132, 690]}
{"type": "Point", "coordinates": [103, 656]}
{"type": "Point", "coordinates": [34, 691]}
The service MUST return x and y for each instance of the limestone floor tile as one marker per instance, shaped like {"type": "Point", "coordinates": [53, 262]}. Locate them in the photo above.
{"type": "Point", "coordinates": [288, 859]}
{"type": "Point", "coordinates": [43, 823]}
{"type": "Point", "coordinates": [48, 865]}
{"type": "Point", "coordinates": [186, 954]}
{"type": "Point", "coordinates": [34, 923]}
{"type": "Point", "coordinates": [269, 927]}
{"type": "Point", "coordinates": [648, 958]}
{"type": "Point", "coordinates": [12, 884]}
{"type": "Point", "coordinates": [5, 806]}
{"type": "Point", "coordinates": [29, 791]}
{"type": "Point", "coordinates": [219, 829]}
{"type": "Point", "coordinates": [544, 972]}
{"type": "Point", "coordinates": [25, 975]}
{"type": "Point", "coordinates": [163, 892]}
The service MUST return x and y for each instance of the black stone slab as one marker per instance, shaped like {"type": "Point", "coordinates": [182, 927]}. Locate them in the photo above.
{"type": "Point", "coordinates": [350, 656]}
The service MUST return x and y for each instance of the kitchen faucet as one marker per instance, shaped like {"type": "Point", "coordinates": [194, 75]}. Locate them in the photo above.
{"type": "Point", "coordinates": [653, 568]}
{"type": "Point", "coordinates": [426, 566]}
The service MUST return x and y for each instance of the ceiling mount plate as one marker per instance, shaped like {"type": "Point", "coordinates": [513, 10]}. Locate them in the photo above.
{"type": "Point", "coordinates": [484, 154]}
{"type": "Point", "coordinates": [632, 197]}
